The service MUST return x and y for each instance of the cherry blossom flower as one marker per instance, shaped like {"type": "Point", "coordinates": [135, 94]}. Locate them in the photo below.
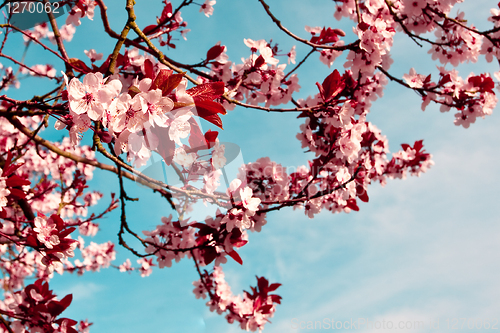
{"type": "Point", "coordinates": [251, 204]}
{"type": "Point", "coordinates": [126, 112]}
{"type": "Point", "coordinates": [92, 96]}
{"type": "Point", "coordinates": [156, 107]}
{"type": "Point", "coordinates": [180, 128]}
{"type": "Point", "coordinates": [292, 55]}
{"type": "Point", "coordinates": [413, 79]}
{"type": "Point", "coordinates": [146, 265]}
{"type": "Point", "coordinates": [126, 266]}
{"type": "Point", "coordinates": [184, 159]}
{"type": "Point", "coordinates": [207, 7]}
{"type": "Point", "coordinates": [45, 232]}
{"type": "Point", "coordinates": [93, 55]}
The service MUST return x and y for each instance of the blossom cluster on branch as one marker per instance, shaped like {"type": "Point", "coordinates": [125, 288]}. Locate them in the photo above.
{"type": "Point", "coordinates": [136, 103]}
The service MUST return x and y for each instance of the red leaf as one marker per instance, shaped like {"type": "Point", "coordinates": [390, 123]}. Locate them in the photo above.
{"type": "Point", "coordinates": [161, 78]}
{"type": "Point", "coordinates": [17, 193]}
{"type": "Point", "coordinates": [266, 308]}
{"type": "Point", "coordinates": [58, 221]}
{"type": "Point", "coordinates": [166, 81]}
{"type": "Point", "coordinates": [149, 69]}
{"type": "Point", "coordinates": [66, 301]}
{"type": "Point", "coordinates": [150, 28]}
{"type": "Point", "coordinates": [214, 52]}
{"type": "Point", "coordinates": [167, 12]}
{"type": "Point", "coordinates": [363, 196]}
{"type": "Point", "coordinates": [66, 232]}
{"type": "Point", "coordinates": [405, 146]}
{"type": "Point", "coordinates": [15, 180]}
{"type": "Point", "coordinates": [79, 65]}
{"type": "Point", "coordinates": [262, 283]}
{"type": "Point", "coordinates": [332, 85]}
{"type": "Point", "coordinates": [56, 307]}
{"type": "Point", "coordinates": [210, 138]}
{"type": "Point", "coordinates": [351, 203]}
{"type": "Point", "coordinates": [276, 298]}
{"type": "Point", "coordinates": [207, 91]}
{"type": "Point", "coordinates": [209, 255]}
{"type": "Point", "coordinates": [214, 119]}
{"type": "Point", "coordinates": [418, 145]}
{"type": "Point", "coordinates": [208, 110]}
{"type": "Point", "coordinates": [363, 26]}
{"type": "Point", "coordinates": [233, 254]}
{"type": "Point", "coordinates": [273, 287]}
{"type": "Point", "coordinates": [259, 61]}
{"type": "Point", "coordinates": [31, 241]}
{"type": "Point", "coordinates": [104, 136]}
{"type": "Point", "coordinates": [209, 107]}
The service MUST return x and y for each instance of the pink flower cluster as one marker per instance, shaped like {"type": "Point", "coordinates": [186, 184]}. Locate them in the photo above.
{"type": "Point", "coordinates": [36, 309]}
{"type": "Point", "coordinates": [259, 79]}
{"type": "Point", "coordinates": [252, 311]}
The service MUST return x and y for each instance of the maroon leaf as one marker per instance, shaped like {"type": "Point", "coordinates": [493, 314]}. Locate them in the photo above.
{"type": "Point", "coordinates": [332, 85]}
{"type": "Point", "coordinates": [351, 203]}
{"type": "Point", "coordinates": [214, 52]}
{"type": "Point", "coordinates": [262, 283]}
{"type": "Point", "coordinates": [167, 12]}
{"type": "Point", "coordinates": [66, 232]}
{"type": "Point", "coordinates": [276, 298]}
{"type": "Point", "coordinates": [259, 61]}
{"type": "Point", "coordinates": [209, 255]}
{"type": "Point", "coordinates": [105, 136]}
{"type": "Point", "coordinates": [58, 221]}
{"type": "Point", "coordinates": [210, 137]}
{"type": "Point", "coordinates": [149, 69]}
{"type": "Point", "coordinates": [17, 193]}
{"type": "Point", "coordinates": [15, 180]}
{"type": "Point", "coordinates": [363, 196]}
{"type": "Point", "coordinates": [266, 308]}
{"type": "Point", "coordinates": [149, 29]}
{"type": "Point", "coordinates": [56, 307]}
{"type": "Point", "coordinates": [363, 26]}
{"type": "Point", "coordinates": [233, 254]}
{"type": "Point", "coordinates": [161, 78]}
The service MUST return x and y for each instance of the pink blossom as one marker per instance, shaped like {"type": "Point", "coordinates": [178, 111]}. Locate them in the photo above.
{"type": "Point", "coordinates": [156, 107]}
{"type": "Point", "coordinates": [251, 204]}
{"type": "Point", "coordinates": [413, 79]}
{"type": "Point", "coordinates": [207, 7]}
{"type": "Point", "coordinates": [126, 112]}
{"type": "Point", "coordinates": [93, 55]}
{"type": "Point", "coordinates": [126, 266]}
{"type": "Point", "coordinates": [292, 55]}
{"type": "Point", "coordinates": [146, 265]}
{"type": "Point", "coordinates": [184, 159]}
{"type": "Point", "coordinates": [92, 96]}
{"type": "Point", "coordinates": [180, 128]}
{"type": "Point", "coordinates": [46, 232]}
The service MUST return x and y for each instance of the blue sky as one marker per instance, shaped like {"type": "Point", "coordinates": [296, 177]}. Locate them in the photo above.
{"type": "Point", "coordinates": [422, 249]}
